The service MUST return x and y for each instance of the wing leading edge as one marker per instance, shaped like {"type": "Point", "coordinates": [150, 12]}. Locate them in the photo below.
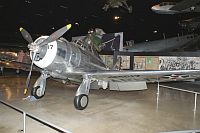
{"type": "Point", "coordinates": [17, 65]}
{"type": "Point", "coordinates": [146, 75]}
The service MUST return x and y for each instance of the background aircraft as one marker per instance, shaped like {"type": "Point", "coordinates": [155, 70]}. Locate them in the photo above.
{"type": "Point", "coordinates": [173, 8]}
{"type": "Point", "coordinates": [14, 54]}
{"type": "Point", "coordinates": [165, 45]}
{"type": "Point", "coordinates": [57, 58]}
{"type": "Point", "coordinates": [117, 4]}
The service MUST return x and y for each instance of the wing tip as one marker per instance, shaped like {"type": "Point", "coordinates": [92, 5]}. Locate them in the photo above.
{"type": "Point", "coordinates": [69, 26]}
{"type": "Point", "coordinates": [20, 29]}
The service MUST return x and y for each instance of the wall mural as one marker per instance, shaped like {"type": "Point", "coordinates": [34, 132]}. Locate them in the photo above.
{"type": "Point", "coordinates": [166, 63]}
{"type": "Point", "coordinates": [139, 63]}
{"type": "Point", "coordinates": [179, 63]}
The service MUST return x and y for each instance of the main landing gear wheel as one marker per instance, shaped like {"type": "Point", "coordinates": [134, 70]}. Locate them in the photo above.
{"type": "Point", "coordinates": [81, 101]}
{"type": "Point", "coordinates": [36, 92]}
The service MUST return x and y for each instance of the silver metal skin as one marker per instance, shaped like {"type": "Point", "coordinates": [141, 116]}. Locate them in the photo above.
{"type": "Point", "coordinates": [71, 59]}
{"type": "Point", "coordinates": [84, 86]}
{"type": "Point", "coordinates": [68, 60]}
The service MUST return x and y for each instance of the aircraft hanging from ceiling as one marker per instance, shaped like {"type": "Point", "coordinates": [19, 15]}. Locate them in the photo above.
{"type": "Point", "coordinates": [177, 7]}
{"type": "Point", "coordinates": [58, 58]}
{"type": "Point", "coordinates": [164, 45]}
{"type": "Point", "coordinates": [117, 4]}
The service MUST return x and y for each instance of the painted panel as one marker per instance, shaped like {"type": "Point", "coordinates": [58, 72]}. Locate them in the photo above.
{"type": "Point", "coordinates": [179, 63]}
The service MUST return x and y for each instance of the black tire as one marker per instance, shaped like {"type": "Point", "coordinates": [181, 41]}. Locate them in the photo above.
{"type": "Point", "coordinates": [34, 92]}
{"type": "Point", "coordinates": [81, 101]}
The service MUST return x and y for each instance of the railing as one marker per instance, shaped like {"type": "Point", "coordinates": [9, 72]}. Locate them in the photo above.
{"type": "Point", "coordinates": [46, 123]}
{"type": "Point", "coordinates": [184, 90]}
{"type": "Point", "coordinates": [186, 131]}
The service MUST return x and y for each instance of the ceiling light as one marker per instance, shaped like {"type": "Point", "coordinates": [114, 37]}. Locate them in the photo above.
{"type": "Point", "coordinates": [77, 23]}
{"type": "Point", "coordinates": [155, 31]}
{"type": "Point", "coordinates": [116, 17]}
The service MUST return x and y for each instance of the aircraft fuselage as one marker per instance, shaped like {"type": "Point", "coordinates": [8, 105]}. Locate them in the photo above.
{"type": "Point", "coordinates": [64, 58]}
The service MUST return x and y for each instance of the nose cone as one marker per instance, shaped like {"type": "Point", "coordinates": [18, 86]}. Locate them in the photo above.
{"type": "Point", "coordinates": [45, 54]}
{"type": "Point", "coordinates": [155, 8]}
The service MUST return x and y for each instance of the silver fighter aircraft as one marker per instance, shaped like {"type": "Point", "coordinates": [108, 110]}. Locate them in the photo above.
{"type": "Point", "coordinates": [183, 6]}
{"type": "Point", "coordinates": [64, 60]}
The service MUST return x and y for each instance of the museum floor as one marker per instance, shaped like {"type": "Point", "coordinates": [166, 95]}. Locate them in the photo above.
{"type": "Point", "coordinates": [107, 112]}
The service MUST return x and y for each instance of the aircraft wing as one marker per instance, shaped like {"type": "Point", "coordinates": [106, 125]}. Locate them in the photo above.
{"type": "Point", "coordinates": [184, 4]}
{"type": "Point", "coordinates": [146, 75]}
{"type": "Point", "coordinates": [17, 65]}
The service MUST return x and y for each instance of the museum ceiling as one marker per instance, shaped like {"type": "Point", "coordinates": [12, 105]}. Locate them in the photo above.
{"type": "Point", "coordinates": [42, 17]}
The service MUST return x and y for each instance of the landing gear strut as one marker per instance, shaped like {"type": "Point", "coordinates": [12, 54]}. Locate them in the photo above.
{"type": "Point", "coordinates": [38, 90]}
{"type": "Point", "coordinates": [81, 99]}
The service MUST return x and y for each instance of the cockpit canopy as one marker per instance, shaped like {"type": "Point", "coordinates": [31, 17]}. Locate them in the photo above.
{"type": "Point", "coordinates": [86, 45]}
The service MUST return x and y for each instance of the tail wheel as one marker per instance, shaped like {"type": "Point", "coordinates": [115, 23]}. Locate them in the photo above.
{"type": "Point", "coordinates": [37, 92]}
{"type": "Point", "coordinates": [81, 101]}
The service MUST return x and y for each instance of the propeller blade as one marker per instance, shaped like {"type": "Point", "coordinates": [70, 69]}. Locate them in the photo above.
{"type": "Point", "coordinates": [26, 35]}
{"type": "Point", "coordinates": [29, 75]}
{"type": "Point", "coordinates": [57, 34]}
